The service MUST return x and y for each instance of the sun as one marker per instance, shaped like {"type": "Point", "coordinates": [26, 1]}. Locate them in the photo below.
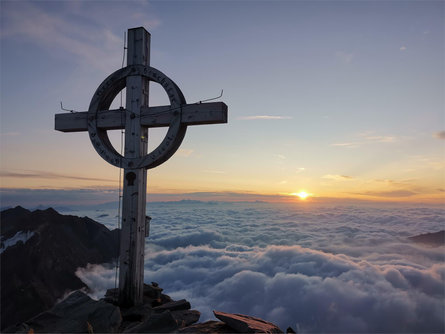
{"type": "Point", "coordinates": [302, 195]}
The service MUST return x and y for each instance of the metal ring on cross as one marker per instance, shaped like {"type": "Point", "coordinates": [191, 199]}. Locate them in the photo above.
{"type": "Point", "coordinates": [104, 96]}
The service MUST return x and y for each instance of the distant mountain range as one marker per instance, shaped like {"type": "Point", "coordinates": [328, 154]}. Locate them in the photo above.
{"type": "Point", "coordinates": [114, 205]}
{"type": "Point", "coordinates": [40, 252]}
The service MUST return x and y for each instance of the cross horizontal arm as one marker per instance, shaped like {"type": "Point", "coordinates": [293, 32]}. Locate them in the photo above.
{"type": "Point", "coordinates": [192, 114]}
{"type": "Point", "coordinates": [78, 121]}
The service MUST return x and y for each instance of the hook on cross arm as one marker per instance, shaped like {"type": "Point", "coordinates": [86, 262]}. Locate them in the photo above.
{"type": "Point", "coordinates": [213, 98]}
{"type": "Point", "coordinates": [64, 109]}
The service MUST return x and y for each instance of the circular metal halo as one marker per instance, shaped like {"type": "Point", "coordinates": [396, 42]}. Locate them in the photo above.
{"type": "Point", "coordinates": [104, 96]}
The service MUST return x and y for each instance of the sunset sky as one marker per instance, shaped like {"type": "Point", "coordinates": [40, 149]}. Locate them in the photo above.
{"type": "Point", "coordinates": [338, 99]}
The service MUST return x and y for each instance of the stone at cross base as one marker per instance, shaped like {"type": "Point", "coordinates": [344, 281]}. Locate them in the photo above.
{"type": "Point", "coordinates": [136, 118]}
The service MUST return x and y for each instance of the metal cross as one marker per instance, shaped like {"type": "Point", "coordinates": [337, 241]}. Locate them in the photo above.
{"type": "Point", "coordinates": [136, 118]}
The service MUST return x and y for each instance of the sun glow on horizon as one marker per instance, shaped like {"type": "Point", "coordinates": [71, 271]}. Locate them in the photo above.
{"type": "Point", "coordinates": [302, 195]}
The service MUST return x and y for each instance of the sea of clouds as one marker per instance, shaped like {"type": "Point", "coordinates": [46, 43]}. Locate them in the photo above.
{"type": "Point", "coordinates": [312, 267]}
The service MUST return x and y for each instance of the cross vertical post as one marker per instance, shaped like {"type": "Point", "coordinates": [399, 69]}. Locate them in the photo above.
{"type": "Point", "coordinates": [132, 245]}
{"type": "Point", "coordinates": [136, 119]}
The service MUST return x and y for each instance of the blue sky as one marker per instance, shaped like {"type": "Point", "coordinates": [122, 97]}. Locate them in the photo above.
{"type": "Point", "coordinates": [336, 98]}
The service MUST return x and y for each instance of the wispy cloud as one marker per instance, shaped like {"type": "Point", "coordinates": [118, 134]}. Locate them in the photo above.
{"type": "Point", "coordinates": [381, 139]}
{"type": "Point", "coordinates": [391, 193]}
{"type": "Point", "coordinates": [52, 197]}
{"type": "Point", "coordinates": [337, 177]}
{"type": "Point", "coordinates": [348, 145]}
{"type": "Point", "coordinates": [439, 135]}
{"type": "Point", "coordinates": [10, 134]}
{"type": "Point", "coordinates": [49, 175]}
{"type": "Point", "coordinates": [90, 43]}
{"type": "Point", "coordinates": [262, 117]}
{"type": "Point", "coordinates": [367, 138]}
{"type": "Point", "coordinates": [403, 48]}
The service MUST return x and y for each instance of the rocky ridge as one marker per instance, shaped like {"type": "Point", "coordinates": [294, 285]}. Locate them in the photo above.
{"type": "Point", "coordinates": [78, 313]}
{"type": "Point", "coordinates": [40, 252]}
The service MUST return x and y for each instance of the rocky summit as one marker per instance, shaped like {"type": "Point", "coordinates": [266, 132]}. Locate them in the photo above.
{"type": "Point", "coordinates": [78, 313]}
{"type": "Point", "coordinates": [40, 252]}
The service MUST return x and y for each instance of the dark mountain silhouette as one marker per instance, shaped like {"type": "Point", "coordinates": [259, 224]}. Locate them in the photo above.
{"type": "Point", "coordinates": [431, 239]}
{"type": "Point", "coordinates": [35, 274]}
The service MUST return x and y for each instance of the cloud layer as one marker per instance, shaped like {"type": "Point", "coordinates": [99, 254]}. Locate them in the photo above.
{"type": "Point", "coordinates": [343, 269]}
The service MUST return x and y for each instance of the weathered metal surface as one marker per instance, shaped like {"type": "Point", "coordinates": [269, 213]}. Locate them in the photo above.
{"type": "Point", "coordinates": [151, 117]}
{"type": "Point", "coordinates": [106, 93]}
{"type": "Point", "coordinates": [191, 114]}
{"type": "Point", "coordinates": [132, 246]}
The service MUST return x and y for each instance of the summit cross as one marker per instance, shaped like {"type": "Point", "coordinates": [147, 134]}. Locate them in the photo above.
{"type": "Point", "coordinates": [136, 118]}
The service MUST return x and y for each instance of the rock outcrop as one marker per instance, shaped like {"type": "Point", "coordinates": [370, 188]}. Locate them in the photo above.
{"type": "Point", "coordinates": [247, 324]}
{"type": "Point", "coordinates": [208, 327]}
{"type": "Point", "coordinates": [432, 239]}
{"type": "Point", "coordinates": [78, 313]}
{"type": "Point", "coordinates": [38, 268]}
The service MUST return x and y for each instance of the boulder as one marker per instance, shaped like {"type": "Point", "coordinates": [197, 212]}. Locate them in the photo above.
{"type": "Point", "coordinates": [78, 313]}
{"type": "Point", "coordinates": [209, 327]}
{"type": "Point", "coordinates": [136, 313]}
{"type": "Point", "coordinates": [186, 317]}
{"type": "Point", "coordinates": [173, 306]}
{"type": "Point", "coordinates": [247, 324]}
{"type": "Point", "coordinates": [157, 323]}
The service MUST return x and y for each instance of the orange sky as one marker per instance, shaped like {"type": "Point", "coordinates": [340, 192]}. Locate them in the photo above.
{"type": "Point", "coordinates": [314, 109]}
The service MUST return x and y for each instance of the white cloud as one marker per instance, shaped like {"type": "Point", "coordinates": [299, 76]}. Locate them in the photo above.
{"type": "Point", "coordinates": [20, 236]}
{"type": "Point", "coordinates": [98, 278]}
{"type": "Point", "coordinates": [317, 290]}
{"type": "Point", "coordinates": [353, 270]}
